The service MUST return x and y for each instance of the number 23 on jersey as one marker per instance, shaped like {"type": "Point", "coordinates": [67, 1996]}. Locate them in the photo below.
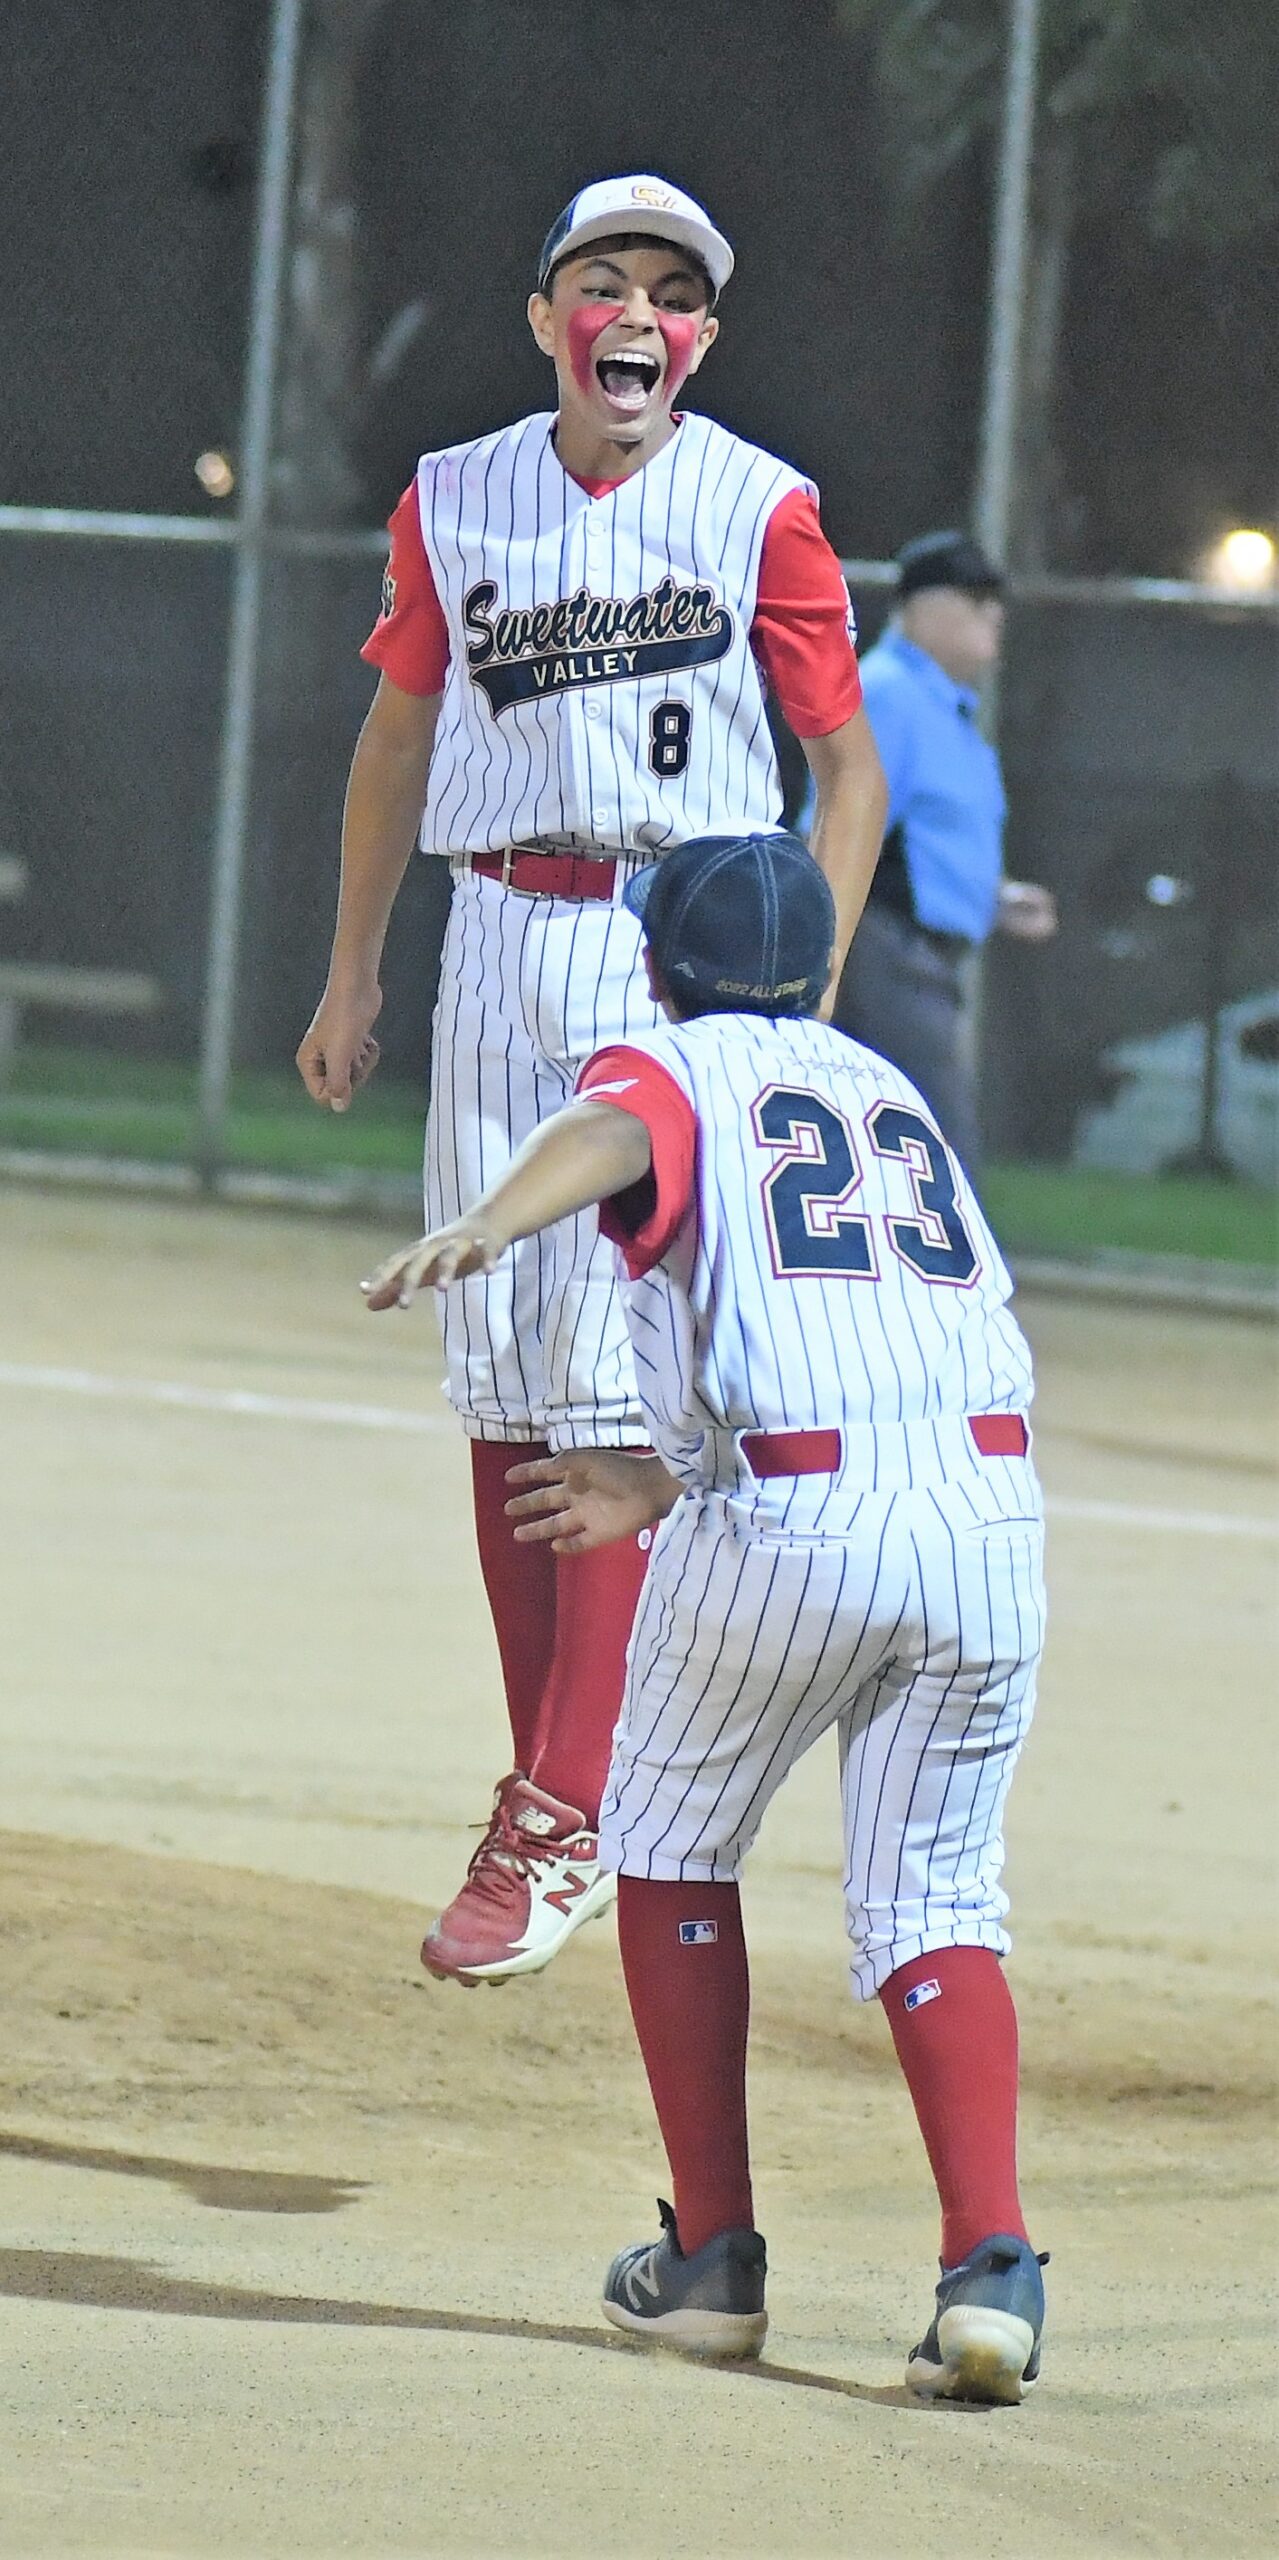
{"type": "Point", "coordinates": [815, 1228]}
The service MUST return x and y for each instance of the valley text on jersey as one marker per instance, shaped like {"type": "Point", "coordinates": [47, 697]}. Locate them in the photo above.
{"type": "Point", "coordinates": [601, 688]}
{"type": "Point", "coordinates": [583, 639]}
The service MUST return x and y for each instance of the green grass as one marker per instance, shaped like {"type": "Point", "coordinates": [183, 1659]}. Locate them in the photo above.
{"type": "Point", "coordinates": [1067, 1210]}
{"type": "Point", "coordinates": [83, 1102]}
{"type": "Point", "coordinates": [86, 1102]}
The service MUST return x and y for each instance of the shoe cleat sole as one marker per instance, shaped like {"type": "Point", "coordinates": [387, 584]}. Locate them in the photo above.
{"type": "Point", "coordinates": [716, 2337]}
{"type": "Point", "coordinates": [984, 2358]}
{"type": "Point", "coordinates": [598, 1899]}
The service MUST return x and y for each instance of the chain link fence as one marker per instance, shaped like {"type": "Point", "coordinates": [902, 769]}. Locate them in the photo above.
{"type": "Point", "coordinates": [183, 689]}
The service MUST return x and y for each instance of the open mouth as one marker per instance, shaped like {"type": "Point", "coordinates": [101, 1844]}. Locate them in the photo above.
{"type": "Point", "coordinates": [628, 380]}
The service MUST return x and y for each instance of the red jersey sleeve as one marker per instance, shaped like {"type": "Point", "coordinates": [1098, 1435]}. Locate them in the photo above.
{"type": "Point", "coordinates": [803, 632]}
{"type": "Point", "coordinates": [646, 1219]}
{"type": "Point", "coordinates": [410, 639]}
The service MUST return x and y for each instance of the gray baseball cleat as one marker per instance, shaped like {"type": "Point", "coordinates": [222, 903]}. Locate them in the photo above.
{"type": "Point", "coordinates": [983, 2343]}
{"type": "Point", "coordinates": [711, 2304]}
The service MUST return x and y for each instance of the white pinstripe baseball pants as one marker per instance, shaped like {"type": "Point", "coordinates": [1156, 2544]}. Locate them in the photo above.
{"type": "Point", "coordinates": [917, 1632]}
{"type": "Point", "coordinates": [530, 988]}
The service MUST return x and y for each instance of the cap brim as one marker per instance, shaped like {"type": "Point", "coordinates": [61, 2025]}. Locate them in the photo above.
{"type": "Point", "coordinates": [636, 892]}
{"type": "Point", "coordinates": [708, 246]}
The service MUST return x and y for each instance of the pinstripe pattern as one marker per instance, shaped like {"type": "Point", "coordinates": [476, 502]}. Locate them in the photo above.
{"type": "Point", "coordinates": [916, 1634]}
{"type": "Point", "coordinates": [529, 988]}
{"type": "Point", "coordinates": [724, 1344]}
{"type": "Point", "coordinates": [899, 1600]}
{"type": "Point", "coordinates": [576, 769]}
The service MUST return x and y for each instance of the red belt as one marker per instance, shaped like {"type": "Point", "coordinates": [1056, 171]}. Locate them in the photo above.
{"type": "Point", "coordinates": [549, 875]}
{"type": "Point", "coordinates": [821, 1453]}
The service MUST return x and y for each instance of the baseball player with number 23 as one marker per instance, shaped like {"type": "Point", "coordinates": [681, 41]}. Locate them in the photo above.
{"type": "Point", "coordinates": [582, 613]}
{"type": "Point", "coordinates": [836, 1396]}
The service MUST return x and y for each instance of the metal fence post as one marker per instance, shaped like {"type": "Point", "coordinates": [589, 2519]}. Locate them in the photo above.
{"type": "Point", "coordinates": [997, 439]}
{"type": "Point", "coordinates": [993, 495]}
{"type": "Point", "coordinates": [253, 463]}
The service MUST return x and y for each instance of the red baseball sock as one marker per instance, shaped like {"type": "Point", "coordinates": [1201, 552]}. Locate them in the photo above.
{"type": "Point", "coordinates": [955, 2029]}
{"type": "Point", "coordinates": [520, 1583]}
{"type": "Point", "coordinates": [690, 2000]}
{"type": "Point", "coordinates": [595, 1597]}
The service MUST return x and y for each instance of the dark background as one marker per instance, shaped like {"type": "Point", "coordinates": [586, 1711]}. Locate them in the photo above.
{"type": "Point", "coordinates": [852, 336]}
{"type": "Point", "coordinates": [852, 342]}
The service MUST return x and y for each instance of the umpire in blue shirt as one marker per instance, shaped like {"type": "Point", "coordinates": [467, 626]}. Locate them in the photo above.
{"type": "Point", "coordinates": [940, 887]}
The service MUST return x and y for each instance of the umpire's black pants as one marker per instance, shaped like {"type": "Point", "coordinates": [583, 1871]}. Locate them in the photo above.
{"type": "Point", "coordinates": [902, 993]}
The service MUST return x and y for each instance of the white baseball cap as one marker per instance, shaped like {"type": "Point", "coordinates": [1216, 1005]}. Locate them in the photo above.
{"type": "Point", "coordinates": [636, 204]}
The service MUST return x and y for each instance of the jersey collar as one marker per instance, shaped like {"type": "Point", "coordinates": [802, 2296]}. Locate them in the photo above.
{"type": "Point", "coordinates": [960, 697]}
{"type": "Point", "coordinates": [605, 488]}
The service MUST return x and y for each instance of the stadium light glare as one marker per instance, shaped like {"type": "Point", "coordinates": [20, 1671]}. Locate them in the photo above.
{"type": "Point", "coordinates": [215, 475]}
{"type": "Point", "coordinates": [1243, 559]}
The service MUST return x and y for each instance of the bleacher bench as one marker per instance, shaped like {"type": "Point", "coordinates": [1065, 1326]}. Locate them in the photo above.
{"type": "Point", "coordinates": [24, 983]}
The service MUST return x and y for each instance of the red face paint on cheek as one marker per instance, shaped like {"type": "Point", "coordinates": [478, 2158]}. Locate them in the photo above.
{"type": "Point", "coordinates": [680, 330]}
{"type": "Point", "coordinates": [585, 325]}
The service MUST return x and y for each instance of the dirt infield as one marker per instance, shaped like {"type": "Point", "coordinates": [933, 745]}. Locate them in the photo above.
{"type": "Point", "coordinates": [299, 2254]}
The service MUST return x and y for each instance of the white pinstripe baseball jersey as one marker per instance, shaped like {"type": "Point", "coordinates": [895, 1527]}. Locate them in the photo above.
{"type": "Point", "coordinates": [810, 1258]}
{"type": "Point", "coordinates": [601, 689]}
{"type": "Point", "coordinates": [529, 988]}
{"type": "Point", "coordinates": [831, 1267]}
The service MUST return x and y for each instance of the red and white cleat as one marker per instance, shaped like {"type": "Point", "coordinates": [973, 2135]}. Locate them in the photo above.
{"type": "Point", "coordinates": [533, 1880]}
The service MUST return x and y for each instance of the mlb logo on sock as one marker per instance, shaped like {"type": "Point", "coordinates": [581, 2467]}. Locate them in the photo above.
{"type": "Point", "coordinates": [922, 1992]}
{"type": "Point", "coordinates": [698, 1933]}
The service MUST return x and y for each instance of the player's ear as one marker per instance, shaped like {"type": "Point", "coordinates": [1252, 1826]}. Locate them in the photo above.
{"type": "Point", "coordinates": [706, 337]}
{"type": "Point", "coordinates": [541, 323]}
{"type": "Point", "coordinates": [657, 987]}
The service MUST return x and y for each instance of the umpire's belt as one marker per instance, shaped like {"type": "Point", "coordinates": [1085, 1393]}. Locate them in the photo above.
{"type": "Point", "coordinates": [829, 1453]}
{"type": "Point", "coordinates": [549, 875]}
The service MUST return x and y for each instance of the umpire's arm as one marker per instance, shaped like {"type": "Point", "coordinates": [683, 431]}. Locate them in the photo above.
{"type": "Point", "coordinates": [848, 824]}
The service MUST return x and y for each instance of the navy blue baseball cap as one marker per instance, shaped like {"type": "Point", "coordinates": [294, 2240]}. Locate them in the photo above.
{"type": "Point", "coordinates": [946, 560]}
{"type": "Point", "coordinates": [742, 924]}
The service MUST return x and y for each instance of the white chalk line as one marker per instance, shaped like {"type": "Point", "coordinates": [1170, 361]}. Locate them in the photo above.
{"type": "Point", "coordinates": [247, 1402]}
{"type": "Point", "coordinates": [236, 1400]}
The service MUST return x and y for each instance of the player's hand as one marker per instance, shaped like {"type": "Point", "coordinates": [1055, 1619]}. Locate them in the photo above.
{"type": "Point", "coordinates": [1027, 911]}
{"type": "Point", "coordinates": [339, 1053]}
{"type": "Point", "coordinates": [584, 1498]}
{"type": "Point", "coordinates": [434, 1262]}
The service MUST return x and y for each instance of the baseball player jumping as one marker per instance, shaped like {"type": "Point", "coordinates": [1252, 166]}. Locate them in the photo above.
{"type": "Point", "coordinates": [581, 615]}
{"type": "Point", "coordinates": [836, 1395]}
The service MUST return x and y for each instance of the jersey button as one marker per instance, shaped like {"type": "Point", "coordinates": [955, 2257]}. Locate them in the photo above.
{"type": "Point", "coordinates": [595, 711]}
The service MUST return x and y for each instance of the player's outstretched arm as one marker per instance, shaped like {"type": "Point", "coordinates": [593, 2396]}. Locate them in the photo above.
{"type": "Point", "coordinates": [384, 798]}
{"type": "Point", "coordinates": [848, 824]}
{"type": "Point", "coordinates": [584, 1498]}
{"type": "Point", "coordinates": [584, 1155]}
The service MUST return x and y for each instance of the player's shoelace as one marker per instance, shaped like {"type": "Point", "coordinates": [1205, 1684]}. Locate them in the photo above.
{"type": "Point", "coordinates": [507, 1856]}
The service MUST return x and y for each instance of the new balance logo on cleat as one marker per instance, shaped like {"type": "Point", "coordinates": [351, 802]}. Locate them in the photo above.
{"type": "Point", "coordinates": [642, 2277]}
{"type": "Point", "coordinates": [711, 2304]}
{"type": "Point", "coordinates": [534, 1879]}
{"type": "Point", "coordinates": [571, 1891]}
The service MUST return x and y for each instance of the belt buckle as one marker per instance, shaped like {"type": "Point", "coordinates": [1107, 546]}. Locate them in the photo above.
{"type": "Point", "coordinates": [508, 865]}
